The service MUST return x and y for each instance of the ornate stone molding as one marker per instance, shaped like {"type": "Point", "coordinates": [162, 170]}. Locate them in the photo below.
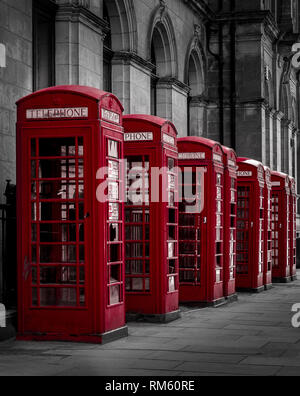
{"type": "Point", "coordinates": [162, 9]}
{"type": "Point", "coordinates": [131, 57]}
{"type": "Point", "coordinates": [170, 82]}
{"type": "Point", "coordinates": [201, 8]}
{"type": "Point", "coordinates": [75, 3]}
{"type": "Point", "coordinates": [74, 11]}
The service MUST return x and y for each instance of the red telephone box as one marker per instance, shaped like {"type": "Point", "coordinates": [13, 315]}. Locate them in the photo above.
{"type": "Point", "coordinates": [230, 213]}
{"type": "Point", "coordinates": [151, 214]}
{"type": "Point", "coordinates": [268, 230]}
{"type": "Point", "coordinates": [70, 244]}
{"type": "Point", "coordinates": [280, 227]}
{"type": "Point", "coordinates": [250, 225]}
{"type": "Point", "coordinates": [293, 228]}
{"type": "Point", "coordinates": [201, 221]}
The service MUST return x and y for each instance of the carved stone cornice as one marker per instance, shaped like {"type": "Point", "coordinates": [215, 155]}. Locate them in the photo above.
{"type": "Point", "coordinates": [202, 9]}
{"type": "Point", "coordinates": [131, 57]}
{"type": "Point", "coordinates": [170, 82]}
{"type": "Point", "coordinates": [78, 11]}
{"type": "Point", "coordinates": [254, 17]}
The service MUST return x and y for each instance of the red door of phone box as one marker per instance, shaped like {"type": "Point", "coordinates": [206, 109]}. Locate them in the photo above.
{"type": "Point", "coordinates": [230, 213]}
{"type": "Point", "coordinates": [151, 214]}
{"type": "Point", "coordinates": [201, 224]}
{"type": "Point", "coordinates": [293, 228]}
{"type": "Point", "coordinates": [250, 226]}
{"type": "Point", "coordinates": [70, 246]}
{"type": "Point", "coordinates": [280, 227]}
{"type": "Point", "coordinates": [268, 230]}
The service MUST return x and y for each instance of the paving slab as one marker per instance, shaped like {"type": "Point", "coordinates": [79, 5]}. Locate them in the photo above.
{"type": "Point", "coordinates": [253, 336]}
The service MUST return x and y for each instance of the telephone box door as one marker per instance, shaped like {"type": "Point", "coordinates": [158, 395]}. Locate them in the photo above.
{"type": "Point", "coordinates": [193, 233]}
{"type": "Point", "coordinates": [58, 233]}
{"type": "Point", "coordinates": [244, 235]}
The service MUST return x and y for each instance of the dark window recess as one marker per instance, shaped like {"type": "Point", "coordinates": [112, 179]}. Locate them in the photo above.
{"type": "Point", "coordinates": [44, 12]}
{"type": "Point", "coordinates": [172, 216]}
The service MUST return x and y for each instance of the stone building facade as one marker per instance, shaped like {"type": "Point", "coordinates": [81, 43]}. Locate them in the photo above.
{"type": "Point", "coordinates": [216, 68]}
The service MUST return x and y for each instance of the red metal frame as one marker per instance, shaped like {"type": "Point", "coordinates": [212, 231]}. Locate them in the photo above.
{"type": "Point", "coordinates": [268, 230]}
{"type": "Point", "coordinates": [202, 223]}
{"type": "Point", "coordinates": [293, 228]}
{"type": "Point", "coordinates": [151, 227]}
{"type": "Point", "coordinates": [63, 239]}
{"type": "Point", "coordinates": [250, 225]}
{"type": "Point", "coordinates": [230, 222]}
{"type": "Point", "coordinates": [280, 227]}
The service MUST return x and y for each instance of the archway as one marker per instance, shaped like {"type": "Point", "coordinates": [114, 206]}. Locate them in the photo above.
{"type": "Point", "coordinates": [195, 79]}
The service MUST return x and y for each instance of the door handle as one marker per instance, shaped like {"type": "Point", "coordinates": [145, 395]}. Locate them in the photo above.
{"type": "Point", "coordinates": [87, 216]}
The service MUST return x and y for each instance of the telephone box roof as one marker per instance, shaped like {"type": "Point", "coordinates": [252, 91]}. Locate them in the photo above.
{"type": "Point", "coordinates": [252, 162]}
{"type": "Point", "coordinates": [199, 140]}
{"type": "Point", "coordinates": [153, 120]}
{"type": "Point", "coordinates": [90, 92]}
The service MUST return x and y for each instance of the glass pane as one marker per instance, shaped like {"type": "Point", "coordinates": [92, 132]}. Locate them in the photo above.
{"type": "Point", "coordinates": [58, 168]}
{"type": "Point", "coordinates": [172, 286]}
{"type": "Point", "coordinates": [115, 294]}
{"type": "Point", "coordinates": [34, 297]}
{"type": "Point", "coordinates": [58, 254]}
{"type": "Point", "coordinates": [82, 297]}
{"type": "Point", "coordinates": [114, 233]}
{"type": "Point", "coordinates": [58, 275]}
{"type": "Point", "coordinates": [58, 297]}
{"type": "Point", "coordinates": [115, 274]}
{"type": "Point", "coordinates": [137, 284]}
{"type": "Point", "coordinates": [134, 233]}
{"type": "Point", "coordinates": [60, 147]}
{"type": "Point", "coordinates": [55, 211]}
{"type": "Point", "coordinates": [115, 253]}
{"type": "Point", "coordinates": [60, 189]}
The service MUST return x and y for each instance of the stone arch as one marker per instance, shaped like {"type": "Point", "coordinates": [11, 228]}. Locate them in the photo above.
{"type": "Point", "coordinates": [195, 78]}
{"type": "Point", "coordinates": [123, 25]}
{"type": "Point", "coordinates": [195, 69]}
{"type": "Point", "coordinates": [162, 45]}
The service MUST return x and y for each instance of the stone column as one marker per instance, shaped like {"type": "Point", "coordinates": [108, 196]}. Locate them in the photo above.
{"type": "Point", "coordinates": [265, 158]}
{"type": "Point", "coordinates": [79, 44]}
{"type": "Point", "coordinates": [131, 79]}
{"type": "Point", "coordinates": [172, 103]}
{"type": "Point", "coordinates": [250, 137]}
{"type": "Point", "coordinates": [277, 140]}
{"type": "Point", "coordinates": [271, 137]}
{"type": "Point", "coordinates": [198, 116]}
{"type": "Point", "coordinates": [286, 149]}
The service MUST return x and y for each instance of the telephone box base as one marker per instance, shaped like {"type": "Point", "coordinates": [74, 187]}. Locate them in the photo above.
{"type": "Point", "coordinates": [160, 318]}
{"type": "Point", "coordinates": [288, 279]}
{"type": "Point", "coordinates": [84, 339]}
{"type": "Point", "coordinates": [232, 298]}
{"type": "Point", "coordinates": [251, 290]}
{"type": "Point", "coordinates": [294, 278]}
{"type": "Point", "coordinates": [269, 287]}
{"type": "Point", "coordinates": [205, 304]}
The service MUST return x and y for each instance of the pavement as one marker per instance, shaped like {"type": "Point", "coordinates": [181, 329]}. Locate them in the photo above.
{"type": "Point", "coordinates": [251, 337]}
